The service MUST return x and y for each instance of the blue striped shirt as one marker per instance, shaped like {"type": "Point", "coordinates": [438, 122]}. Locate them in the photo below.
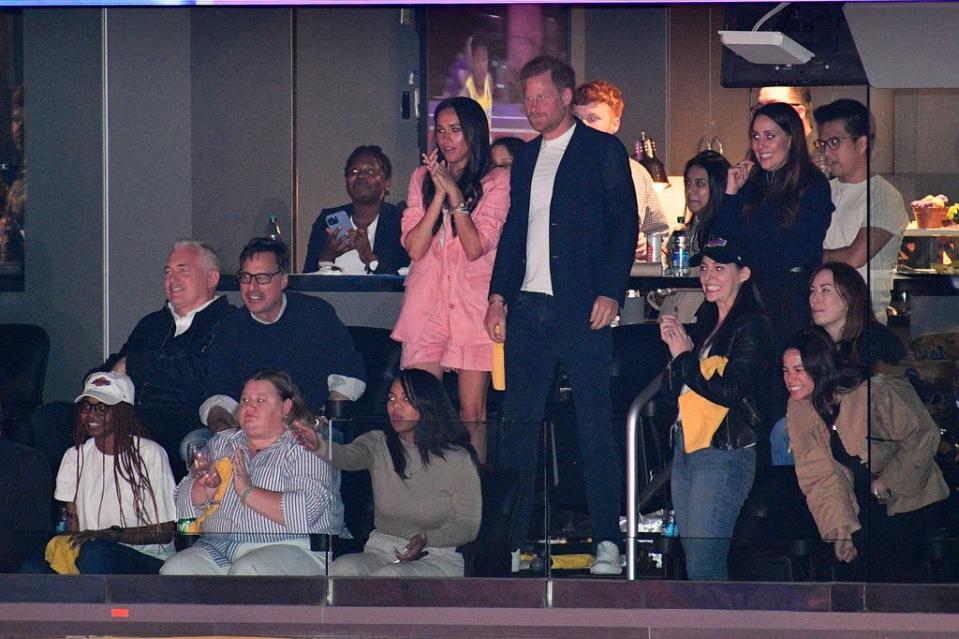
{"type": "Point", "coordinates": [310, 499]}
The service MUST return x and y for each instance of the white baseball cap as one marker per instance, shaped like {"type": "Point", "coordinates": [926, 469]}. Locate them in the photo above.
{"type": "Point", "coordinates": [110, 388]}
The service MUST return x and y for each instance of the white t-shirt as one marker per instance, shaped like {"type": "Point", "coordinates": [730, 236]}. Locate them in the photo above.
{"type": "Point", "coordinates": [538, 278]}
{"type": "Point", "coordinates": [96, 499]}
{"type": "Point", "coordinates": [887, 212]}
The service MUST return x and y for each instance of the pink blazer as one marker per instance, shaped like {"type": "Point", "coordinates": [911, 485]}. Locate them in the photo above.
{"type": "Point", "coordinates": [444, 273]}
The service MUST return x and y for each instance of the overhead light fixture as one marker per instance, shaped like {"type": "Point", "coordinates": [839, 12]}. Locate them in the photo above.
{"type": "Point", "coordinates": [766, 47]}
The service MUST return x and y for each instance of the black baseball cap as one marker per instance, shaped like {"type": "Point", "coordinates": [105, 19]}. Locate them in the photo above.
{"type": "Point", "coordinates": [724, 251]}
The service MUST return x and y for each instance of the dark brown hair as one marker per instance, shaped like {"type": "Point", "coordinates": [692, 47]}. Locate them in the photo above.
{"type": "Point", "coordinates": [852, 289]}
{"type": "Point", "coordinates": [560, 73]}
{"type": "Point", "coordinates": [439, 428]}
{"type": "Point", "coordinates": [784, 187]}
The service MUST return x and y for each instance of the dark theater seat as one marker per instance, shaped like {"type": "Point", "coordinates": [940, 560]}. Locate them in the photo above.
{"type": "Point", "coordinates": [24, 349]}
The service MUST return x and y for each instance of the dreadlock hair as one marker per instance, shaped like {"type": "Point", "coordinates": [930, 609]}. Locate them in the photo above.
{"type": "Point", "coordinates": [128, 465]}
{"type": "Point", "coordinates": [439, 428]}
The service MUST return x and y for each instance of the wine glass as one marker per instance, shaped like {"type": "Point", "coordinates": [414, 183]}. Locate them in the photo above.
{"type": "Point", "coordinates": [199, 458]}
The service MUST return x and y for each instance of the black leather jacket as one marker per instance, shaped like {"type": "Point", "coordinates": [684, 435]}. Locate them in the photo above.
{"type": "Point", "coordinates": [745, 339]}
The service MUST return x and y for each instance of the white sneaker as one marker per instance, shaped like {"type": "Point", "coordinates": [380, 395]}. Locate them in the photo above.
{"type": "Point", "coordinates": [606, 560]}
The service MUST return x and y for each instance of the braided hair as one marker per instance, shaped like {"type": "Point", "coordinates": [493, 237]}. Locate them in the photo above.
{"type": "Point", "coordinates": [128, 464]}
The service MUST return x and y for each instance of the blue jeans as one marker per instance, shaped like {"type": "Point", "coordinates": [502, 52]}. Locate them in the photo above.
{"type": "Point", "coordinates": [106, 557]}
{"type": "Point", "coordinates": [779, 445]}
{"type": "Point", "coordinates": [709, 487]}
{"type": "Point", "coordinates": [538, 336]}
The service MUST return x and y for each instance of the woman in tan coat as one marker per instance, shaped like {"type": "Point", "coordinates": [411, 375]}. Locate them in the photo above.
{"type": "Point", "coordinates": [864, 459]}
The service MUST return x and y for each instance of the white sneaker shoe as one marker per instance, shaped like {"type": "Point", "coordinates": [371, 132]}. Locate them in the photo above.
{"type": "Point", "coordinates": [606, 561]}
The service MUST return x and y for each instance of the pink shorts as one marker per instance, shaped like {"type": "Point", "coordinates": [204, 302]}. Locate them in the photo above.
{"type": "Point", "coordinates": [433, 345]}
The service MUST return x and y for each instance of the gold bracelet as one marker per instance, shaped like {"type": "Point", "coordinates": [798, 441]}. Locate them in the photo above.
{"type": "Point", "coordinates": [460, 209]}
{"type": "Point", "coordinates": [246, 493]}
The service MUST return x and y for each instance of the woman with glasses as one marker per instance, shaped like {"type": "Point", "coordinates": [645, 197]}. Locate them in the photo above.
{"type": "Point", "coordinates": [457, 206]}
{"type": "Point", "coordinates": [779, 203]}
{"type": "Point", "coordinates": [117, 487]}
{"type": "Point", "coordinates": [372, 245]}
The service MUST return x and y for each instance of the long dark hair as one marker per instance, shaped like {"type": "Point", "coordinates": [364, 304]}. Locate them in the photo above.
{"type": "Point", "coordinates": [439, 428]}
{"type": "Point", "coordinates": [128, 465]}
{"type": "Point", "coordinates": [831, 375]}
{"type": "Point", "coordinates": [716, 167]}
{"type": "Point", "coordinates": [786, 185]}
{"type": "Point", "coordinates": [475, 128]}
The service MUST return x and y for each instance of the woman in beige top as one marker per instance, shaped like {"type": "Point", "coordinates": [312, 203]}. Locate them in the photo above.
{"type": "Point", "coordinates": [426, 489]}
{"type": "Point", "coordinates": [865, 458]}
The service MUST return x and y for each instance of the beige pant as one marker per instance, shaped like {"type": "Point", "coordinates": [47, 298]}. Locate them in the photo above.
{"type": "Point", "coordinates": [377, 558]}
{"type": "Point", "coordinates": [286, 559]}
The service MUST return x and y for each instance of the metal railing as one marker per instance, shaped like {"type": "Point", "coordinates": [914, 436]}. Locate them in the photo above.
{"type": "Point", "coordinates": [633, 421]}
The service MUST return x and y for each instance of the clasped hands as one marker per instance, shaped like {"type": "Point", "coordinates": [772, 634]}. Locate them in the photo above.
{"type": "Point", "coordinates": [446, 186]}
{"type": "Point", "coordinates": [209, 479]}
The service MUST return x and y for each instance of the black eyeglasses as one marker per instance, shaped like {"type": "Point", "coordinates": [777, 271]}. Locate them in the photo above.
{"type": "Point", "coordinates": [834, 142]}
{"type": "Point", "coordinates": [243, 277]}
{"type": "Point", "coordinates": [99, 409]}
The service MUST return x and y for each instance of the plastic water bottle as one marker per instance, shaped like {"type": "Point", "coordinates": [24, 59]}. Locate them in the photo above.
{"type": "Point", "coordinates": [62, 526]}
{"type": "Point", "coordinates": [670, 529]}
{"type": "Point", "coordinates": [273, 228]}
{"type": "Point", "coordinates": [679, 251]}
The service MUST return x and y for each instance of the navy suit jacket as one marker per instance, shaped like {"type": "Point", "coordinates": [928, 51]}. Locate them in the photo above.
{"type": "Point", "coordinates": [593, 223]}
{"type": "Point", "coordinates": [386, 245]}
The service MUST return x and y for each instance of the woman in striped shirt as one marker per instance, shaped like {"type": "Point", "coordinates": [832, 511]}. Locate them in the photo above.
{"type": "Point", "coordinates": [275, 494]}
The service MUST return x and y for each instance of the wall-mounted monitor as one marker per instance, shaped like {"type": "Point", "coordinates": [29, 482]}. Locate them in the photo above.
{"type": "Point", "coordinates": [463, 44]}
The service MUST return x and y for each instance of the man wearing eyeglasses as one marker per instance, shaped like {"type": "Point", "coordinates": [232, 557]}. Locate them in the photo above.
{"type": "Point", "coordinates": [855, 236]}
{"type": "Point", "coordinates": [295, 333]}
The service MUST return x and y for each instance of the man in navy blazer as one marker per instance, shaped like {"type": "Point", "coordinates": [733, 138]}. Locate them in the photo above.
{"type": "Point", "coordinates": [562, 266]}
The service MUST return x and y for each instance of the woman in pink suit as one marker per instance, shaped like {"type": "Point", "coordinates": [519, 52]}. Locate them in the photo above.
{"type": "Point", "coordinates": [457, 204]}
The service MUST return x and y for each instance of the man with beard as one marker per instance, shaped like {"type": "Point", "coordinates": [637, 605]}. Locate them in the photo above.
{"type": "Point", "coordinates": [559, 279]}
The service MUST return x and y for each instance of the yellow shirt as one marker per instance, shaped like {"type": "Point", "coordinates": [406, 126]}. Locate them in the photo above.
{"type": "Point", "coordinates": [485, 98]}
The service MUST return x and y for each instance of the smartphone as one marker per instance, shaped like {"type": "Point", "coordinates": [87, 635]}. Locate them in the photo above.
{"type": "Point", "coordinates": [338, 221]}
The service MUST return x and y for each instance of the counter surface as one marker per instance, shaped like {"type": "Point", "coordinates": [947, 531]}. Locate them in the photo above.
{"type": "Point", "coordinates": [394, 283]}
